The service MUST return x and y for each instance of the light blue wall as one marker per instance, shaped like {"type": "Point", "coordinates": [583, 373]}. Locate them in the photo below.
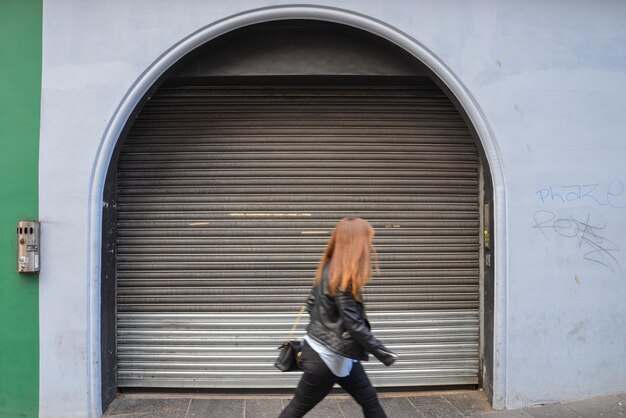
{"type": "Point", "coordinates": [550, 81]}
{"type": "Point", "coordinates": [555, 99]}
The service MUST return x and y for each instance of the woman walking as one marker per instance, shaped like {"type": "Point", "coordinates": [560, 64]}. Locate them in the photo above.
{"type": "Point", "coordinates": [338, 335]}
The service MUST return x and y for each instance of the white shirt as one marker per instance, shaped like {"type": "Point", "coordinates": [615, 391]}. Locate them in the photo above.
{"type": "Point", "coordinates": [339, 365]}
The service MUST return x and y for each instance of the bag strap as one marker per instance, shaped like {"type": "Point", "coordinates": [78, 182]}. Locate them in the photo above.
{"type": "Point", "coordinates": [295, 324]}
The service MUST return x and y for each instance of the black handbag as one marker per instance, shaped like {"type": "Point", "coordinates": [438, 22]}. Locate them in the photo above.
{"type": "Point", "coordinates": [289, 357]}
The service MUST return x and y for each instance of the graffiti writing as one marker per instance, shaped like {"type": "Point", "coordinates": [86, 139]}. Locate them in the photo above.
{"type": "Point", "coordinates": [596, 248]}
{"type": "Point", "coordinates": [612, 194]}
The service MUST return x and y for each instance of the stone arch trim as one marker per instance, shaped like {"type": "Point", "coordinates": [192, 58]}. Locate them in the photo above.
{"type": "Point", "coordinates": [170, 57]}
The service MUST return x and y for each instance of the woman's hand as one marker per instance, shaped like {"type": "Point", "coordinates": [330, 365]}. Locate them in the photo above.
{"type": "Point", "coordinates": [386, 356]}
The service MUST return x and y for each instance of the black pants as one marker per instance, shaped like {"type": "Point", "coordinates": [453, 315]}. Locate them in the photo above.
{"type": "Point", "coordinates": [318, 380]}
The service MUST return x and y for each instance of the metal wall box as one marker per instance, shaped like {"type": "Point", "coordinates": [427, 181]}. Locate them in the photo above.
{"type": "Point", "coordinates": [28, 247]}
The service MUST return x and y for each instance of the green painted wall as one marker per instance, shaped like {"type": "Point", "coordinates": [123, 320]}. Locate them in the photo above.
{"type": "Point", "coordinates": [20, 92]}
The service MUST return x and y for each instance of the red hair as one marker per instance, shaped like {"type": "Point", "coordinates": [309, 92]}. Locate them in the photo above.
{"type": "Point", "coordinates": [349, 252]}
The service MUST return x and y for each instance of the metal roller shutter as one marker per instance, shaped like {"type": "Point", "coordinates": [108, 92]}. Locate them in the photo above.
{"type": "Point", "coordinates": [227, 196]}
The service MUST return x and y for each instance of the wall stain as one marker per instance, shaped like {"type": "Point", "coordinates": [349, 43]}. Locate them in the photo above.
{"type": "Point", "coordinates": [576, 330]}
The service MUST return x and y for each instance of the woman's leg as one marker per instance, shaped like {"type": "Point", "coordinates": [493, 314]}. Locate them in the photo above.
{"type": "Point", "coordinates": [358, 385]}
{"type": "Point", "coordinates": [314, 385]}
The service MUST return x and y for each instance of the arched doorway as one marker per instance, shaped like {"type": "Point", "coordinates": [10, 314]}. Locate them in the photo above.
{"type": "Point", "coordinates": [272, 161]}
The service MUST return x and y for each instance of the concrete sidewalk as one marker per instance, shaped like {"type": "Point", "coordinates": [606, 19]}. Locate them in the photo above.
{"type": "Point", "coordinates": [457, 404]}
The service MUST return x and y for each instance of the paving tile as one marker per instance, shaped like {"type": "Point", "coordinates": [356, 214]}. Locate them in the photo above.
{"type": "Point", "coordinates": [435, 406]}
{"type": "Point", "coordinates": [399, 408]}
{"type": "Point", "coordinates": [143, 415]}
{"type": "Point", "coordinates": [350, 408]}
{"type": "Point", "coordinates": [153, 407]}
{"type": "Point", "coordinates": [605, 406]}
{"type": "Point", "coordinates": [328, 408]}
{"type": "Point", "coordinates": [394, 407]}
{"type": "Point", "coordinates": [514, 413]}
{"type": "Point", "coordinates": [215, 408]}
{"type": "Point", "coordinates": [552, 411]}
{"type": "Point", "coordinates": [263, 408]}
{"type": "Point", "coordinates": [470, 404]}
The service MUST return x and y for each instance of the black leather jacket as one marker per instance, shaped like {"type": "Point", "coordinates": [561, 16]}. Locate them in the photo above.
{"type": "Point", "coordinates": [340, 323]}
